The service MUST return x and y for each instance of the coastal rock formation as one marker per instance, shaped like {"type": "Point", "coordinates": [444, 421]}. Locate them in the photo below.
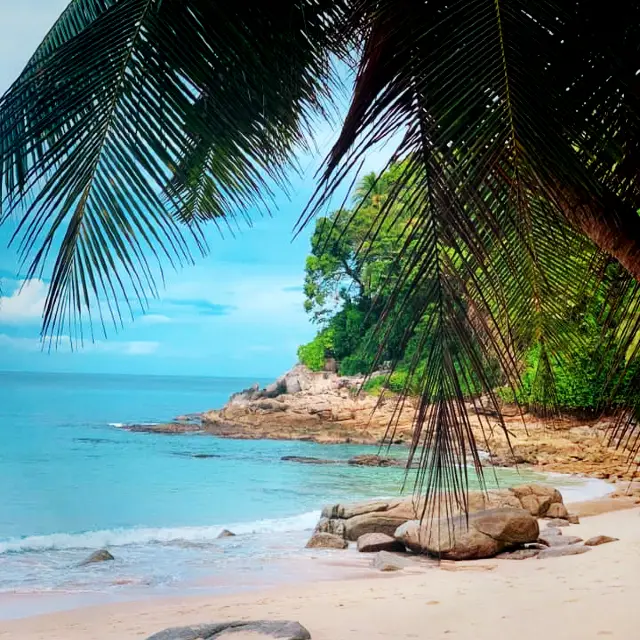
{"type": "Point", "coordinates": [326, 541]}
{"type": "Point", "coordinates": [267, 629]}
{"type": "Point", "coordinates": [373, 542]}
{"type": "Point", "coordinates": [169, 428]}
{"type": "Point", "coordinates": [97, 556]}
{"type": "Point", "coordinates": [482, 535]}
{"type": "Point", "coordinates": [351, 521]}
{"type": "Point", "coordinates": [307, 460]}
{"type": "Point", "coordinates": [327, 408]}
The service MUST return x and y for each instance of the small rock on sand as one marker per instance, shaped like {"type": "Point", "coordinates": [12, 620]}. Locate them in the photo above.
{"type": "Point", "coordinates": [598, 540]}
{"type": "Point", "coordinates": [555, 540]}
{"type": "Point", "coordinates": [519, 554]}
{"type": "Point", "coordinates": [385, 561]}
{"type": "Point", "coordinates": [557, 522]}
{"type": "Point", "coordinates": [565, 550]}
{"type": "Point", "coordinates": [259, 629]}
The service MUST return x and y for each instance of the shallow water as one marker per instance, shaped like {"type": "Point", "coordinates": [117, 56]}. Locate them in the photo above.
{"type": "Point", "coordinates": [73, 482]}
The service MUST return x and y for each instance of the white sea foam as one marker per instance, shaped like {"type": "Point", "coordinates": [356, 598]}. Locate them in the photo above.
{"type": "Point", "coordinates": [123, 537]}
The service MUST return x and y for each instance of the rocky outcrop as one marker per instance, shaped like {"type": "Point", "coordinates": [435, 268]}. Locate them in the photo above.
{"type": "Point", "coordinates": [482, 535]}
{"type": "Point", "coordinates": [168, 428]}
{"type": "Point", "coordinates": [268, 629]}
{"type": "Point", "coordinates": [351, 521]}
{"type": "Point", "coordinates": [374, 542]}
{"type": "Point", "coordinates": [97, 556]}
{"type": "Point", "coordinates": [307, 460]}
{"type": "Point", "coordinates": [303, 405]}
{"type": "Point", "coordinates": [321, 540]}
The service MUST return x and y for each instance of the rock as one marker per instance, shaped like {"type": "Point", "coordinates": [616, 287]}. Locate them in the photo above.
{"type": "Point", "coordinates": [385, 561]}
{"type": "Point", "coordinates": [598, 540]}
{"type": "Point", "coordinates": [292, 385]}
{"type": "Point", "coordinates": [557, 522]}
{"type": "Point", "coordinates": [307, 460]}
{"type": "Point", "coordinates": [372, 542]}
{"type": "Point", "coordinates": [282, 630]}
{"type": "Point", "coordinates": [518, 554]}
{"type": "Point", "coordinates": [326, 541]}
{"type": "Point", "coordinates": [369, 460]}
{"type": "Point", "coordinates": [169, 428]}
{"type": "Point", "coordinates": [555, 540]}
{"type": "Point", "coordinates": [537, 498]}
{"type": "Point", "coordinates": [385, 516]}
{"type": "Point", "coordinates": [564, 550]}
{"type": "Point", "coordinates": [97, 556]}
{"type": "Point", "coordinates": [482, 535]}
{"type": "Point", "coordinates": [557, 510]}
{"type": "Point", "coordinates": [225, 533]}
{"type": "Point", "coordinates": [572, 518]}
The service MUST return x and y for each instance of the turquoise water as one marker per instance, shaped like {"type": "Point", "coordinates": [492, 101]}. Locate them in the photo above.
{"type": "Point", "coordinates": [72, 481]}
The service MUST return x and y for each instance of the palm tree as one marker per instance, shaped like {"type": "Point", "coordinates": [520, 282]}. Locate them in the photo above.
{"type": "Point", "coordinates": [136, 121]}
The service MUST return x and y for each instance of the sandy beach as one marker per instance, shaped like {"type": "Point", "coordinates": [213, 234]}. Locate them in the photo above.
{"type": "Point", "coordinates": [593, 595]}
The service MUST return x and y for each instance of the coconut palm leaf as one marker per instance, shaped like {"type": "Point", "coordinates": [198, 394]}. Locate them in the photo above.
{"type": "Point", "coordinates": [137, 115]}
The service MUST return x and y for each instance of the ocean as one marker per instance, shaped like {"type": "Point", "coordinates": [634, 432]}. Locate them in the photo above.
{"type": "Point", "coordinates": [73, 480]}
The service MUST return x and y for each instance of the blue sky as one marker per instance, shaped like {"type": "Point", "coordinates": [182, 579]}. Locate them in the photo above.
{"type": "Point", "coordinates": [237, 312]}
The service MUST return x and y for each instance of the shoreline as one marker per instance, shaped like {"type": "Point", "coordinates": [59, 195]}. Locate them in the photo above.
{"type": "Point", "coordinates": [296, 566]}
{"type": "Point", "coordinates": [498, 597]}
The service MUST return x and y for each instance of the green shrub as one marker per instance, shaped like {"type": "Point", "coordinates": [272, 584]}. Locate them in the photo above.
{"type": "Point", "coordinates": [314, 353]}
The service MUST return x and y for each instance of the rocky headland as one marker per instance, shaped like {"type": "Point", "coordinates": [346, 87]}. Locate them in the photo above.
{"type": "Point", "coordinates": [326, 408]}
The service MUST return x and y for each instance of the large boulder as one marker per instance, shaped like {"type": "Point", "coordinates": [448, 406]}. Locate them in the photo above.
{"type": "Point", "coordinates": [373, 542]}
{"type": "Point", "coordinates": [384, 516]}
{"type": "Point", "coordinates": [267, 629]}
{"type": "Point", "coordinates": [482, 535]}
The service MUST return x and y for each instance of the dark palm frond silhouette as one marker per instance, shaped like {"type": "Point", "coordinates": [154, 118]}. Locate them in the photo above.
{"type": "Point", "coordinates": [136, 121]}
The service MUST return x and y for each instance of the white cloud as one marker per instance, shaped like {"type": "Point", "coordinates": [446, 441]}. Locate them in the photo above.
{"type": "Point", "coordinates": [25, 304]}
{"type": "Point", "coordinates": [154, 318]}
{"type": "Point", "coordinates": [64, 345]}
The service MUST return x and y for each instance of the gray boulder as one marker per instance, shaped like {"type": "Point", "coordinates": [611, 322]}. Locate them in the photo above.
{"type": "Point", "coordinates": [373, 542]}
{"type": "Point", "coordinates": [282, 630]}
{"type": "Point", "coordinates": [557, 522]}
{"type": "Point", "coordinates": [97, 556]}
{"type": "Point", "coordinates": [481, 535]}
{"type": "Point", "coordinates": [518, 554]}
{"type": "Point", "coordinates": [385, 561]}
{"type": "Point", "coordinates": [326, 541]}
{"type": "Point", "coordinates": [564, 550]}
{"type": "Point", "coordinates": [550, 539]}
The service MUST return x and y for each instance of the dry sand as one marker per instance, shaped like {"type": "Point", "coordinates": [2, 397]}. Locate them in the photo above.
{"type": "Point", "coordinates": [593, 595]}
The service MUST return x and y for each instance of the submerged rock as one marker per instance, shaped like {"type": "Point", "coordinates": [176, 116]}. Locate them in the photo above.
{"type": "Point", "coordinates": [97, 556]}
{"type": "Point", "coordinates": [169, 428]}
{"type": "Point", "coordinates": [326, 541]}
{"type": "Point", "coordinates": [268, 629]}
{"type": "Point", "coordinates": [307, 460]}
{"type": "Point", "coordinates": [225, 533]}
{"type": "Point", "coordinates": [482, 535]}
{"type": "Point", "coordinates": [370, 460]}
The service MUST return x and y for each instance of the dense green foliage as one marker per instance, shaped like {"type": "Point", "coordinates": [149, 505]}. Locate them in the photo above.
{"type": "Point", "coordinates": [350, 276]}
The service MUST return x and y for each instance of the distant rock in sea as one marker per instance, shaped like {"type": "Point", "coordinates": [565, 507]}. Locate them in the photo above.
{"type": "Point", "coordinates": [168, 428]}
{"type": "Point", "coordinates": [225, 533]}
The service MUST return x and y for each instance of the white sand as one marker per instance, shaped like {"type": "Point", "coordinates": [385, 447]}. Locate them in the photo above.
{"type": "Point", "coordinates": [583, 597]}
